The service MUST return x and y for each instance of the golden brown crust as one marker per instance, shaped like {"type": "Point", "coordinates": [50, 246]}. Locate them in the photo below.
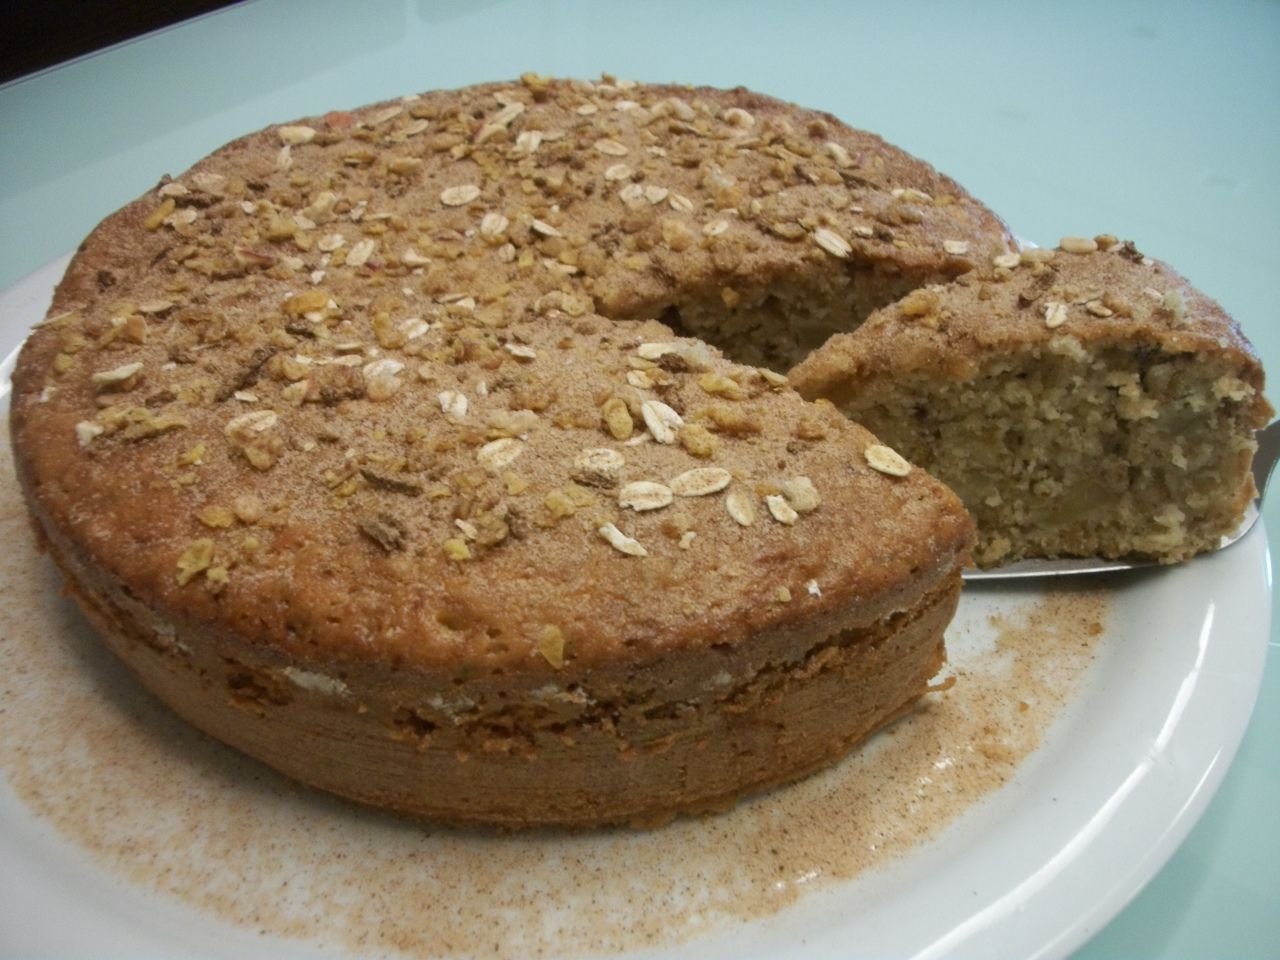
{"type": "Point", "coordinates": [316, 579]}
{"type": "Point", "coordinates": [341, 401]}
{"type": "Point", "coordinates": [635, 742]}
{"type": "Point", "coordinates": [813, 173]}
{"type": "Point", "coordinates": [1110, 293]}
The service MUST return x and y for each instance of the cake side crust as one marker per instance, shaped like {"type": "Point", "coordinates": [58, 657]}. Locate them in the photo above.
{"type": "Point", "coordinates": [686, 733]}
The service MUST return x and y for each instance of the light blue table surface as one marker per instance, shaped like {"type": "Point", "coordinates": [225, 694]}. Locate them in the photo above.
{"type": "Point", "coordinates": [1153, 121]}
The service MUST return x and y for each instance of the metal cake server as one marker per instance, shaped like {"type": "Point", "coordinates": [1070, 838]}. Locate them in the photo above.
{"type": "Point", "coordinates": [1264, 462]}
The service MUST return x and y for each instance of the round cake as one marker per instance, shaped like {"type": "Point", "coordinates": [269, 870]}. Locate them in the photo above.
{"type": "Point", "coordinates": [388, 447]}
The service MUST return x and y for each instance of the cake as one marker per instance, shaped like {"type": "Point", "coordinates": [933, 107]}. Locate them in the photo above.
{"type": "Point", "coordinates": [1082, 401]}
{"type": "Point", "coordinates": [436, 454]}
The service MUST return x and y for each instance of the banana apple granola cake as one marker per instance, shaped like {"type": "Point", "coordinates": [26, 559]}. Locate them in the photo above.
{"type": "Point", "coordinates": [388, 447]}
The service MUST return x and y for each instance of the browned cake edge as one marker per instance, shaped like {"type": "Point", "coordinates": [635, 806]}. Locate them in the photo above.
{"type": "Point", "coordinates": [595, 750]}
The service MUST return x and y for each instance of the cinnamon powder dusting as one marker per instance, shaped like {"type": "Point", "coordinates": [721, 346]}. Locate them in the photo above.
{"type": "Point", "coordinates": [151, 801]}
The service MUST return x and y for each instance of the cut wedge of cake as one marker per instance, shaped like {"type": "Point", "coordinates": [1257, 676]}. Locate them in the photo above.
{"type": "Point", "coordinates": [1082, 401]}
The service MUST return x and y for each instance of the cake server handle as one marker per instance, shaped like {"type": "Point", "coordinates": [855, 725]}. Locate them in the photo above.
{"type": "Point", "coordinates": [1264, 461]}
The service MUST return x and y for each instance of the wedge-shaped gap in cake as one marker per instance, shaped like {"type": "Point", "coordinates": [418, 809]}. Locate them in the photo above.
{"type": "Point", "coordinates": [779, 321]}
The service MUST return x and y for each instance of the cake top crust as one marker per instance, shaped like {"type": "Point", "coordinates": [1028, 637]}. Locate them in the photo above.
{"type": "Point", "coordinates": [371, 385]}
{"type": "Point", "coordinates": [1087, 291]}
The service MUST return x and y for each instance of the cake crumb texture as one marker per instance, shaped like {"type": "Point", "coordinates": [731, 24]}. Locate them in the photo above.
{"type": "Point", "coordinates": [1082, 401]}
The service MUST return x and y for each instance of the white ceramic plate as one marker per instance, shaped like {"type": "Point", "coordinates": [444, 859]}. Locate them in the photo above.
{"type": "Point", "coordinates": [1033, 870]}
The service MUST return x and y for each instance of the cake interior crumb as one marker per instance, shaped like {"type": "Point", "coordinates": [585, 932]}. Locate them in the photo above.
{"type": "Point", "coordinates": [1056, 451]}
{"type": "Point", "coordinates": [777, 325]}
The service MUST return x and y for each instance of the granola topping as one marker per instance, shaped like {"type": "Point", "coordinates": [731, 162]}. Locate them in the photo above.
{"type": "Point", "coordinates": [642, 495]}
{"type": "Point", "coordinates": [661, 420]}
{"type": "Point", "coordinates": [700, 482]}
{"type": "Point", "coordinates": [291, 135]}
{"type": "Point", "coordinates": [617, 418]}
{"type": "Point", "coordinates": [621, 542]}
{"type": "Point", "coordinates": [801, 494]}
{"type": "Point", "coordinates": [87, 430]}
{"type": "Point", "coordinates": [453, 404]}
{"type": "Point", "coordinates": [741, 507]}
{"type": "Point", "coordinates": [886, 460]}
{"type": "Point", "coordinates": [494, 224]}
{"type": "Point", "coordinates": [195, 559]}
{"type": "Point", "coordinates": [832, 242]}
{"type": "Point", "coordinates": [117, 377]}
{"type": "Point", "coordinates": [1055, 314]}
{"type": "Point", "coordinates": [460, 195]}
{"type": "Point", "coordinates": [611, 148]}
{"type": "Point", "coordinates": [1078, 244]}
{"type": "Point", "coordinates": [551, 646]}
{"type": "Point", "coordinates": [497, 454]}
{"type": "Point", "coordinates": [253, 435]}
{"type": "Point", "coordinates": [599, 466]}
{"type": "Point", "coordinates": [781, 511]}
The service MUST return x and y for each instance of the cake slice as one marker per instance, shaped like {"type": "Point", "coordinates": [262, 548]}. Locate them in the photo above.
{"type": "Point", "coordinates": [1082, 401]}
